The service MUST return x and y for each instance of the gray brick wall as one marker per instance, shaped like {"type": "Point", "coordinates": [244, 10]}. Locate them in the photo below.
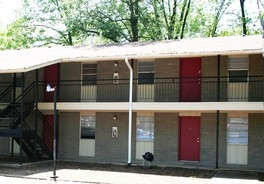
{"type": "Point", "coordinates": [108, 149]}
{"type": "Point", "coordinates": [118, 92]}
{"type": "Point", "coordinates": [165, 89]}
{"type": "Point", "coordinates": [68, 141]}
{"type": "Point", "coordinates": [208, 139]}
{"type": "Point", "coordinates": [255, 140]}
{"type": "Point", "coordinates": [222, 140]}
{"type": "Point", "coordinates": [166, 138]}
{"type": "Point", "coordinates": [209, 85]}
{"type": "Point", "coordinates": [70, 71]}
{"type": "Point", "coordinates": [256, 85]}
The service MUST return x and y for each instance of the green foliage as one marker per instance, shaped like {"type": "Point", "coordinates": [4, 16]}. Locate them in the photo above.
{"type": "Point", "coordinates": [70, 22]}
{"type": "Point", "coordinates": [15, 36]}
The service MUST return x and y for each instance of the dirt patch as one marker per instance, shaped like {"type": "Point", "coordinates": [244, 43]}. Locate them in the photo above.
{"type": "Point", "coordinates": [34, 168]}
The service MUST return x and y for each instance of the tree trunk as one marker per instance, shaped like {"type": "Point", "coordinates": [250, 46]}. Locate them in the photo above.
{"type": "Point", "coordinates": [216, 19]}
{"type": "Point", "coordinates": [177, 33]}
{"type": "Point", "coordinates": [185, 18]}
{"type": "Point", "coordinates": [244, 23]}
{"type": "Point", "coordinates": [134, 10]}
{"type": "Point", "coordinates": [70, 38]}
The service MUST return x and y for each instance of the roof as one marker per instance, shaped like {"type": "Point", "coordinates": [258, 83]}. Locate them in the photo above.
{"type": "Point", "coordinates": [12, 61]}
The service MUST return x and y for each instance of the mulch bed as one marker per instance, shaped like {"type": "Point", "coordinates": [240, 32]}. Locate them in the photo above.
{"type": "Point", "coordinates": [33, 168]}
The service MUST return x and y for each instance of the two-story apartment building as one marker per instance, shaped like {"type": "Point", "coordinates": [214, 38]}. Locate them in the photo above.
{"type": "Point", "coordinates": [196, 102]}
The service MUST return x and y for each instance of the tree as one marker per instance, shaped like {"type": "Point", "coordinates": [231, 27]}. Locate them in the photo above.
{"type": "Point", "coordinates": [221, 6]}
{"type": "Point", "coordinates": [243, 17]}
{"type": "Point", "coordinates": [53, 21]}
{"type": "Point", "coordinates": [261, 15]}
{"type": "Point", "coordinates": [69, 22]}
{"type": "Point", "coordinates": [15, 36]}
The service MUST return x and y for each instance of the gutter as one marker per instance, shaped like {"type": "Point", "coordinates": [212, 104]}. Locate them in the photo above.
{"type": "Point", "coordinates": [130, 111]}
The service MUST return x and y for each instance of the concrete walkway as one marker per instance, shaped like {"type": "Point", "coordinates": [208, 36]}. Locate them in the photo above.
{"type": "Point", "coordinates": [235, 177]}
{"type": "Point", "coordinates": [67, 176]}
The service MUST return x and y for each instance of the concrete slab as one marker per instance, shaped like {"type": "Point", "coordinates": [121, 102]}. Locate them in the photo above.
{"type": "Point", "coordinates": [235, 177]}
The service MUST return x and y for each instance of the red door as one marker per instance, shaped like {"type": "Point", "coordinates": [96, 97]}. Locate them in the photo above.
{"type": "Point", "coordinates": [189, 138]}
{"type": "Point", "coordinates": [48, 130]}
{"type": "Point", "coordinates": [51, 77]}
{"type": "Point", "coordinates": [190, 80]}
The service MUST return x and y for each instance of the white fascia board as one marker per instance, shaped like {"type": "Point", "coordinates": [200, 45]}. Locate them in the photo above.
{"type": "Point", "coordinates": [155, 106]}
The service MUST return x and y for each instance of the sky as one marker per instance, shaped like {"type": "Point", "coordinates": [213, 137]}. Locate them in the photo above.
{"type": "Point", "coordinates": [7, 11]}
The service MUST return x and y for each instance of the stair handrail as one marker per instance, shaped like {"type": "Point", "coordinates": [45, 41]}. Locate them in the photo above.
{"type": "Point", "coordinates": [26, 91]}
{"type": "Point", "coordinates": [6, 91]}
{"type": "Point", "coordinates": [40, 115]}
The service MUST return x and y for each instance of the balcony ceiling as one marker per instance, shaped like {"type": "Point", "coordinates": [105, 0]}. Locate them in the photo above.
{"type": "Point", "coordinates": [13, 61]}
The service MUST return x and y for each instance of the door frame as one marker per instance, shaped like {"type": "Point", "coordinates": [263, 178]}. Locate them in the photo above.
{"type": "Point", "coordinates": [196, 119]}
{"type": "Point", "coordinates": [194, 78]}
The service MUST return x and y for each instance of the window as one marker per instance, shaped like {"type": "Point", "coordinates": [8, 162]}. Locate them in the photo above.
{"type": "Point", "coordinates": [237, 131]}
{"type": "Point", "coordinates": [238, 69]}
{"type": "Point", "coordinates": [145, 128]}
{"type": "Point", "coordinates": [238, 76]}
{"type": "Point", "coordinates": [87, 127]}
{"type": "Point", "coordinates": [89, 74]}
{"type": "Point", "coordinates": [146, 72]}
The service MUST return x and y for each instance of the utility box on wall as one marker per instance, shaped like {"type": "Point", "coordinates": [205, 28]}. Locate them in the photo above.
{"type": "Point", "coordinates": [114, 132]}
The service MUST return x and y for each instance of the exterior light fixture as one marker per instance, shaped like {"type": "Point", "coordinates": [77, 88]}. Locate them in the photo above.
{"type": "Point", "coordinates": [116, 63]}
{"type": "Point", "coordinates": [114, 117]}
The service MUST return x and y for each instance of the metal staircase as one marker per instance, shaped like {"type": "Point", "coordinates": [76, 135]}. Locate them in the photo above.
{"type": "Point", "coordinates": [13, 124]}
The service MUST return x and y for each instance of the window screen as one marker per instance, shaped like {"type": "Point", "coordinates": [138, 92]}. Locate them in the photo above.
{"type": "Point", "coordinates": [145, 128]}
{"type": "Point", "coordinates": [146, 72]}
{"type": "Point", "coordinates": [89, 74]}
{"type": "Point", "coordinates": [87, 127]}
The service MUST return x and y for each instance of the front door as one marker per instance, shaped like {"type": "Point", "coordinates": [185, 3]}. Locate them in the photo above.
{"type": "Point", "coordinates": [190, 80]}
{"type": "Point", "coordinates": [48, 130]}
{"type": "Point", "coordinates": [189, 140]}
{"type": "Point", "coordinates": [51, 77]}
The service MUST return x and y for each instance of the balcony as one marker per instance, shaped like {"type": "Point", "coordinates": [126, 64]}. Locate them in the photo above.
{"type": "Point", "coordinates": [205, 89]}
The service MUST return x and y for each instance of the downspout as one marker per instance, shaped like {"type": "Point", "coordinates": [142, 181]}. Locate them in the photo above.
{"type": "Point", "coordinates": [130, 111]}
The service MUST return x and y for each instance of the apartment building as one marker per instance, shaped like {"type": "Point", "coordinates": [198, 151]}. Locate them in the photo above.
{"type": "Point", "coordinates": [196, 102]}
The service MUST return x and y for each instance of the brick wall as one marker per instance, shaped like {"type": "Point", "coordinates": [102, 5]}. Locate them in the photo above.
{"type": "Point", "coordinates": [208, 139]}
{"type": "Point", "coordinates": [118, 92]}
{"type": "Point", "coordinates": [256, 68]}
{"type": "Point", "coordinates": [108, 149]}
{"type": "Point", "coordinates": [255, 140]}
{"type": "Point", "coordinates": [166, 138]}
{"type": "Point", "coordinates": [165, 89]}
{"type": "Point", "coordinates": [68, 141]}
{"type": "Point", "coordinates": [70, 71]}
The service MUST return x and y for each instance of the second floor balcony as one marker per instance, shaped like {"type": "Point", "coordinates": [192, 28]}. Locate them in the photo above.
{"type": "Point", "coordinates": [205, 89]}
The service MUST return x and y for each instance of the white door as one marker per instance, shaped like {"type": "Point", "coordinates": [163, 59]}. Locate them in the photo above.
{"type": "Point", "coordinates": [237, 141]}
{"type": "Point", "coordinates": [145, 136]}
{"type": "Point", "coordinates": [87, 136]}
